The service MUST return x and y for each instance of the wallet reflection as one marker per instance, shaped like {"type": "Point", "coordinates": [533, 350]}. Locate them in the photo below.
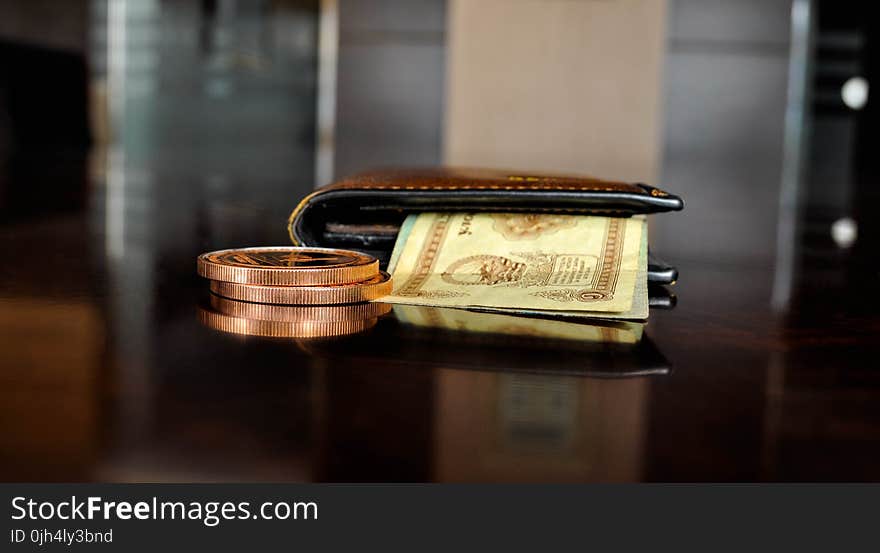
{"type": "Point", "coordinates": [528, 427]}
{"type": "Point", "coordinates": [502, 398]}
{"type": "Point", "coordinates": [438, 394]}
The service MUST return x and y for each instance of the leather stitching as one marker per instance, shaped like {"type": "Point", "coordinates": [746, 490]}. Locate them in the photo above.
{"type": "Point", "coordinates": [580, 188]}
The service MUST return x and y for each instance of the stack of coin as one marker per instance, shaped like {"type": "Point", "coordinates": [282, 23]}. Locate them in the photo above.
{"type": "Point", "coordinates": [291, 291]}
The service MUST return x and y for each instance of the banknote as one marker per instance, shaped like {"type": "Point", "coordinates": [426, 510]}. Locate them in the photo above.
{"type": "Point", "coordinates": [561, 264]}
{"type": "Point", "coordinates": [638, 311]}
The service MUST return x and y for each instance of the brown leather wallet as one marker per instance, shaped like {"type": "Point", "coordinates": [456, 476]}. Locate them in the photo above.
{"type": "Point", "coordinates": [364, 212]}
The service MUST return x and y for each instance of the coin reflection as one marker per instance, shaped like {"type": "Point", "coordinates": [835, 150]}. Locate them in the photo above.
{"type": "Point", "coordinates": [281, 321]}
{"type": "Point", "coordinates": [298, 313]}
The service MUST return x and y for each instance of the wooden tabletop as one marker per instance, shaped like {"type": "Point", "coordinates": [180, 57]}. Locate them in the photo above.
{"type": "Point", "coordinates": [108, 373]}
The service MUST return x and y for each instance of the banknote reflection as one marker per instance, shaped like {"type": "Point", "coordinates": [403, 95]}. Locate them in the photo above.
{"type": "Point", "coordinates": [623, 332]}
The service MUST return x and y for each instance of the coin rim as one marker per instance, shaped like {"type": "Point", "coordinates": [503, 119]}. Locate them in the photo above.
{"type": "Point", "coordinates": [297, 313]}
{"type": "Point", "coordinates": [287, 276]}
{"type": "Point", "coordinates": [305, 295]}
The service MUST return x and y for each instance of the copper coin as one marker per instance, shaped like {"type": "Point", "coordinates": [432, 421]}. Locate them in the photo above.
{"type": "Point", "coordinates": [370, 289]}
{"type": "Point", "coordinates": [298, 313]}
{"type": "Point", "coordinates": [287, 266]}
{"type": "Point", "coordinates": [282, 329]}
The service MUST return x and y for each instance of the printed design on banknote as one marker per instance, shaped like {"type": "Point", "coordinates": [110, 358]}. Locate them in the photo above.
{"type": "Point", "coordinates": [528, 226]}
{"type": "Point", "coordinates": [582, 277]}
{"type": "Point", "coordinates": [425, 263]}
{"type": "Point", "coordinates": [596, 267]}
{"type": "Point", "coordinates": [441, 294]}
{"type": "Point", "coordinates": [546, 269]}
{"type": "Point", "coordinates": [605, 280]}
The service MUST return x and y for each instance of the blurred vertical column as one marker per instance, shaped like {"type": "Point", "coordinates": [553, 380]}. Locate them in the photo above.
{"type": "Point", "coordinates": [556, 86]}
{"type": "Point", "coordinates": [210, 142]}
{"type": "Point", "coordinates": [725, 102]}
{"type": "Point", "coordinates": [328, 54]}
{"type": "Point", "coordinates": [563, 86]}
{"type": "Point", "coordinates": [732, 120]}
{"type": "Point", "coordinates": [795, 147]}
{"type": "Point", "coordinates": [839, 188]}
{"type": "Point", "coordinates": [51, 325]}
{"type": "Point", "coordinates": [124, 79]}
{"type": "Point", "coordinates": [389, 91]}
{"type": "Point", "coordinates": [831, 253]}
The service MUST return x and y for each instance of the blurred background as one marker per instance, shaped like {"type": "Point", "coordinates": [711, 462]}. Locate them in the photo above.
{"type": "Point", "coordinates": [748, 109]}
{"type": "Point", "coordinates": [135, 134]}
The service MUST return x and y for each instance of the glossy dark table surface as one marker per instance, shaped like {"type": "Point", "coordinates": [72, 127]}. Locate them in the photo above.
{"type": "Point", "coordinates": [107, 373]}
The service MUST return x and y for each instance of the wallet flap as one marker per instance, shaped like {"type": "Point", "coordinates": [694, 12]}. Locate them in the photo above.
{"type": "Point", "coordinates": [452, 179]}
{"type": "Point", "coordinates": [380, 200]}
{"type": "Point", "coordinates": [364, 212]}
